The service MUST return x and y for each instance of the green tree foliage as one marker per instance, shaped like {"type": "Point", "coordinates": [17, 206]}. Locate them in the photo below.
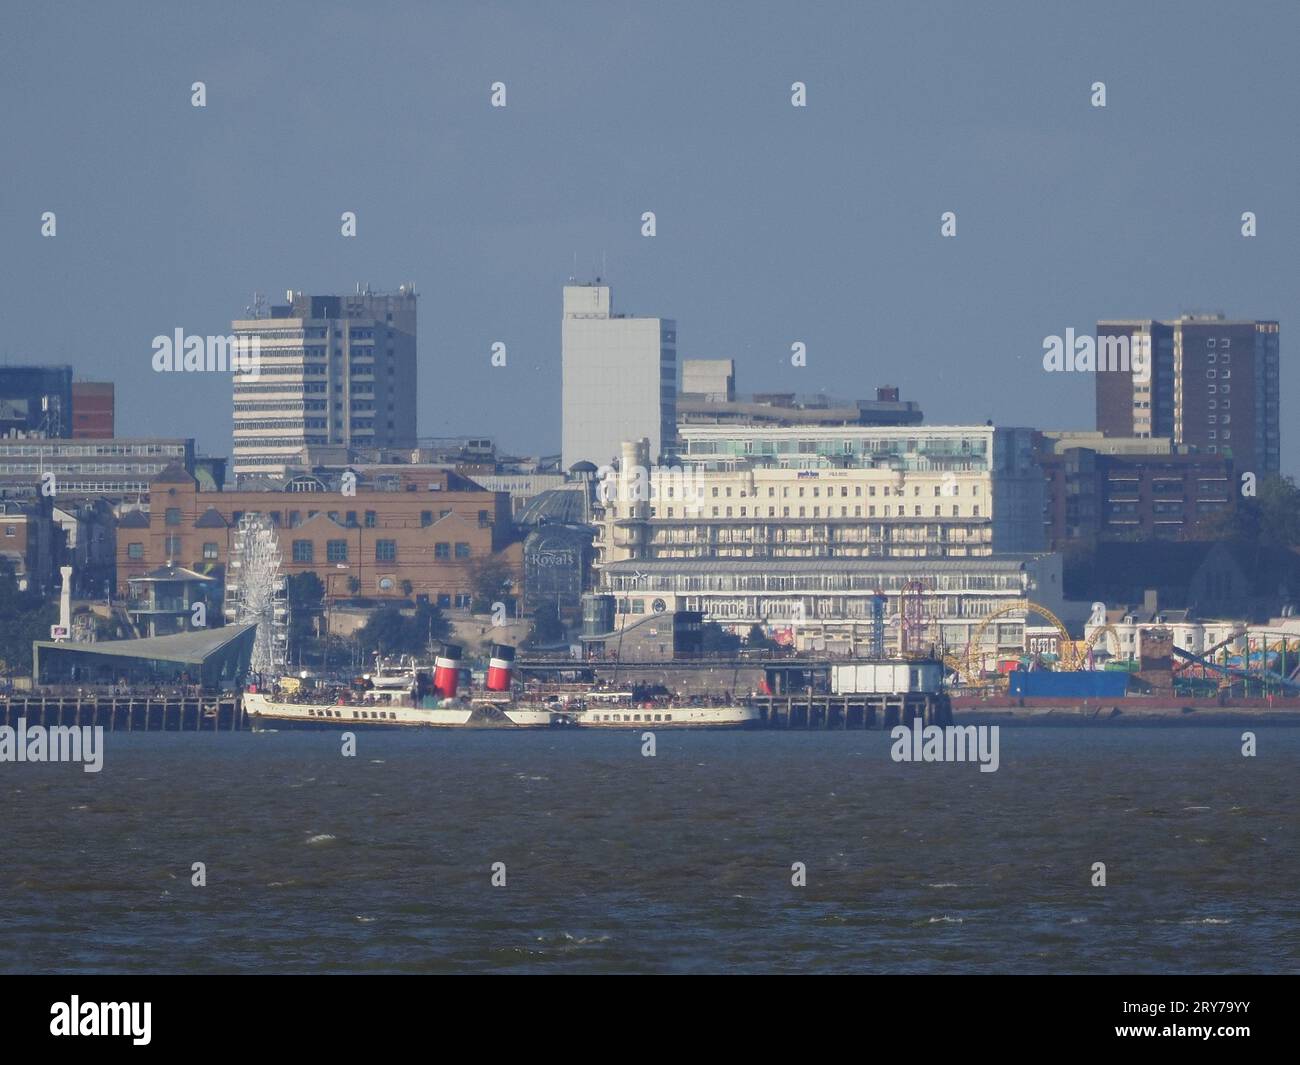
{"type": "Point", "coordinates": [305, 591]}
{"type": "Point", "coordinates": [547, 629]}
{"type": "Point", "coordinates": [306, 595]}
{"type": "Point", "coordinates": [491, 581]}
{"type": "Point", "coordinates": [24, 617]}
{"type": "Point", "coordinates": [717, 642]}
{"type": "Point", "coordinates": [1270, 518]}
{"type": "Point", "coordinates": [391, 632]}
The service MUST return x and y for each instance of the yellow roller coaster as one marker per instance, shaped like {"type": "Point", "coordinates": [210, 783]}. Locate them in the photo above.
{"type": "Point", "coordinates": [970, 665]}
{"type": "Point", "coordinates": [1091, 642]}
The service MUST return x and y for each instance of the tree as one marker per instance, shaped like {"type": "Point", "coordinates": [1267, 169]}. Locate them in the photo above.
{"type": "Point", "coordinates": [305, 591]}
{"type": "Point", "coordinates": [717, 642]}
{"type": "Point", "coordinates": [757, 639]}
{"type": "Point", "coordinates": [491, 580]}
{"type": "Point", "coordinates": [389, 631]}
{"type": "Point", "coordinates": [1269, 518]}
{"type": "Point", "coordinates": [547, 629]}
{"type": "Point", "coordinates": [24, 617]}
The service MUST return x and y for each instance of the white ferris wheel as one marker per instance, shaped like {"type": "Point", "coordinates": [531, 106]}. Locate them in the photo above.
{"type": "Point", "coordinates": [256, 591]}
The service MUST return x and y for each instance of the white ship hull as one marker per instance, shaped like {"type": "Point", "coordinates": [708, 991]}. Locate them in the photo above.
{"type": "Point", "coordinates": [667, 717]}
{"type": "Point", "coordinates": [264, 712]}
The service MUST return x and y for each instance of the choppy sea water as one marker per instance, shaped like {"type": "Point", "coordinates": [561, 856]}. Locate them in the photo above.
{"type": "Point", "coordinates": [615, 862]}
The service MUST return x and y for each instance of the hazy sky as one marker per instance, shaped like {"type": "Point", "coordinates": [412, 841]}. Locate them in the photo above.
{"type": "Point", "coordinates": [775, 224]}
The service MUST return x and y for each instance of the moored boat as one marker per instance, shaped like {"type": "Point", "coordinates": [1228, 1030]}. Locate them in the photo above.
{"type": "Point", "coordinates": [403, 694]}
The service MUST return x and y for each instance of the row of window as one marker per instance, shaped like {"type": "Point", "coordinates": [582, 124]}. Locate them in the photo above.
{"type": "Point", "coordinates": [885, 490]}
{"type": "Point", "coordinates": [9, 450]}
{"type": "Point", "coordinates": [304, 550]}
{"type": "Point", "coordinates": [817, 512]}
{"type": "Point", "coordinates": [173, 516]}
{"type": "Point", "coordinates": [369, 715]}
{"type": "Point", "coordinates": [385, 551]}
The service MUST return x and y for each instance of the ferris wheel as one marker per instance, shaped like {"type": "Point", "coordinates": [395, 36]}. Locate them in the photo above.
{"type": "Point", "coordinates": [256, 591]}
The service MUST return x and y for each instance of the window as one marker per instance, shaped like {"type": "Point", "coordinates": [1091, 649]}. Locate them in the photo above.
{"type": "Point", "coordinates": [426, 518]}
{"type": "Point", "coordinates": [302, 551]}
{"type": "Point", "coordinates": [132, 550]}
{"type": "Point", "coordinates": [485, 517]}
{"type": "Point", "coordinates": [385, 550]}
{"type": "Point", "coordinates": [370, 519]}
{"type": "Point", "coordinates": [442, 550]}
{"type": "Point", "coordinates": [462, 550]}
{"type": "Point", "coordinates": [463, 600]}
{"type": "Point", "coordinates": [173, 516]}
{"type": "Point", "coordinates": [336, 551]}
{"type": "Point", "coordinates": [172, 547]}
{"type": "Point", "coordinates": [444, 602]}
{"type": "Point", "coordinates": [209, 551]}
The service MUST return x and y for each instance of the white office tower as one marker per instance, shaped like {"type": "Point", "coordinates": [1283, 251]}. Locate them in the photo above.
{"type": "Point", "coordinates": [620, 378]}
{"type": "Point", "coordinates": [332, 372]}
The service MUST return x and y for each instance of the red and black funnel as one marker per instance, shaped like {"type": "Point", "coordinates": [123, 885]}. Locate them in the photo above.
{"type": "Point", "coordinates": [500, 666]}
{"type": "Point", "coordinates": [446, 671]}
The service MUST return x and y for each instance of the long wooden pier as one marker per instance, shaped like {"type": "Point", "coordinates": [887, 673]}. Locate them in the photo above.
{"type": "Point", "coordinates": [223, 713]}
{"type": "Point", "coordinates": [124, 713]}
{"type": "Point", "coordinates": [883, 711]}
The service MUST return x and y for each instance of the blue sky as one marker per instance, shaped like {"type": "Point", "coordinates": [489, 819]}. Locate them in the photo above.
{"type": "Point", "coordinates": [775, 224]}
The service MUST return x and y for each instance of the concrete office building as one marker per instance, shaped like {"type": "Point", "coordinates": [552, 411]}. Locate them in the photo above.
{"type": "Point", "coordinates": [619, 378]}
{"type": "Point", "coordinates": [710, 380]}
{"type": "Point", "coordinates": [1213, 386]}
{"type": "Point", "coordinates": [117, 470]}
{"type": "Point", "coordinates": [333, 371]}
{"type": "Point", "coordinates": [708, 397]}
{"type": "Point", "coordinates": [1102, 487]}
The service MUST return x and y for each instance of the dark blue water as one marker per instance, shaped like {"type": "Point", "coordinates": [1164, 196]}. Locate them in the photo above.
{"type": "Point", "coordinates": [680, 863]}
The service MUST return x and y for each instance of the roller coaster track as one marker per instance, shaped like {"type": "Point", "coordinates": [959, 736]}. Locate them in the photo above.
{"type": "Point", "coordinates": [970, 664]}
